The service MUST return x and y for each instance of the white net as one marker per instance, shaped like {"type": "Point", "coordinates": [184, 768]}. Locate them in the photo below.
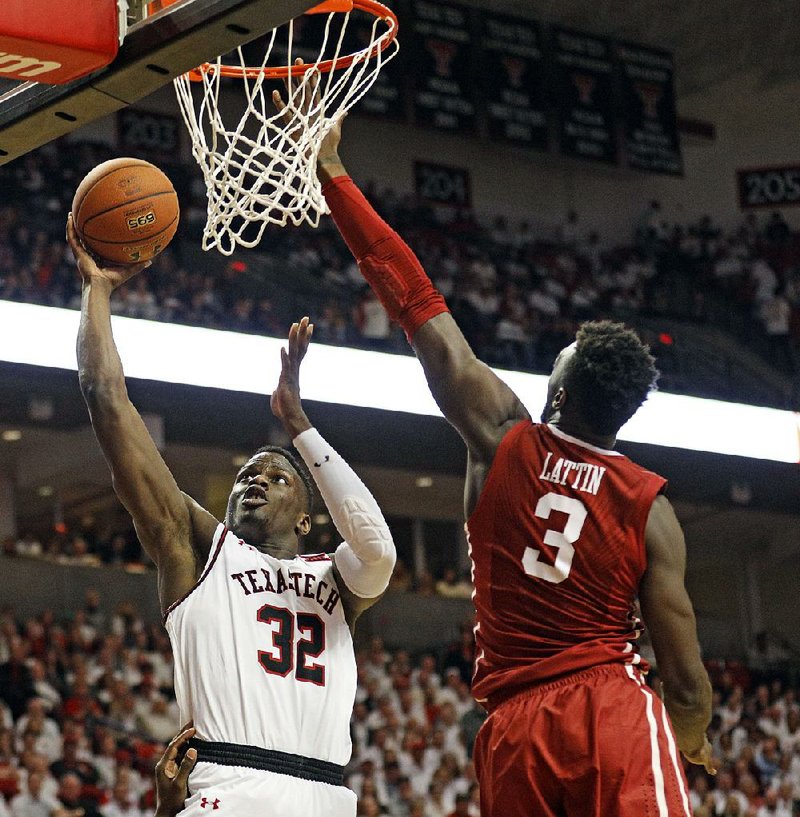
{"type": "Point", "coordinates": [261, 169]}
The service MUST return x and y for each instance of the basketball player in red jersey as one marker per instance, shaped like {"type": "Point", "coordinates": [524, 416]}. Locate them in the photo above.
{"type": "Point", "coordinates": [264, 660]}
{"type": "Point", "coordinates": [564, 534]}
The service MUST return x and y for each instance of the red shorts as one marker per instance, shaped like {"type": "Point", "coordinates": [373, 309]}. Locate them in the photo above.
{"type": "Point", "coordinates": [597, 743]}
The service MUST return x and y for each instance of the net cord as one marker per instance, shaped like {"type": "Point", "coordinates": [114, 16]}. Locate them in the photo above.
{"type": "Point", "coordinates": [262, 171]}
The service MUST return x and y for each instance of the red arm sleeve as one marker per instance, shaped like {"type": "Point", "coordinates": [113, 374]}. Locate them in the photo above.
{"type": "Point", "coordinates": [385, 260]}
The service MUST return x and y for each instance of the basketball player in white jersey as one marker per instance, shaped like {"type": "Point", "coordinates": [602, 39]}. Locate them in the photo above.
{"type": "Point", "coordinates": [264, 663]}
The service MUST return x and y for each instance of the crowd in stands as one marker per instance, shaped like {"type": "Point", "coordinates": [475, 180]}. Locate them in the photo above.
{"type": "Point", "coordinates": [87, 703]}
{"type": "Point", "coordinates": [518, 295]}
{"type": "Point", "coordinates": [755, 733]}
{"type": "Point", "coordinates": [114, 543]}
{"type": "Point", "coordinates": [83, 544]}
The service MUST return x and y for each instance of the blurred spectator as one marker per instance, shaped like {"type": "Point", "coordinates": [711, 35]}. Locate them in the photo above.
{"type": "Point", "coordinates": [516, 295]}
{"type": "Point", "coordinates": [460, 655]}
{"type": "Point", "coordinates": [453, 587]}
{"type": "Point", "coordinates": [569, 231]}
{"type": "Point", "coordinates": [122, 803]}
{"type": "Point", "coordinates": [16, 684]}
{"type": "Point", "coordinates": [462, 806]}
{"type": "Point", "coordinates": [72, 803]}
{"type": "Point", "coordinates": [32, 801]}
{"type": "Point", "coordinates": [776, 230]}
{"type": "Point", "coordinates": [372, 321]}
{"type": "Point", "coordinates": [29, 545]}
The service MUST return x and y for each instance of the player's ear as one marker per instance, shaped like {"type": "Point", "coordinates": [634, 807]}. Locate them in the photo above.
{"type": "Point", "coordinates": [303, 525]}
{"type": "Point", "coordinates": [559, 399]}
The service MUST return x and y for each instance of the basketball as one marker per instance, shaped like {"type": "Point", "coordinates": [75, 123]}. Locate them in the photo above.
{"type": "Point", "coordinates": [125, 211]}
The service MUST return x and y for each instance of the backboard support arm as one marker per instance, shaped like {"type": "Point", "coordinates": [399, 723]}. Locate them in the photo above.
{"type": "Point", "coordinates": [155, 51]}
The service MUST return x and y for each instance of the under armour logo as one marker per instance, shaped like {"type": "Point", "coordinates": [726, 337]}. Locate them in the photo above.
{"type": "Point", "coordinates": [213, 803]}
{"type": "Point", "coordinates": [319, 464]}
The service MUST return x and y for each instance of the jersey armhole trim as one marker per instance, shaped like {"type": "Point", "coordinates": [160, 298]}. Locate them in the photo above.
{"type": "Point", "coordinates": [210, 564]}
{"type": "Point", "coordinates": [515, 430]}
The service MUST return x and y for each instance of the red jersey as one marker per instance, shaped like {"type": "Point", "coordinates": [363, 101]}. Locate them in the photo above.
{"type": "Point", "coordinates": [558, 550]}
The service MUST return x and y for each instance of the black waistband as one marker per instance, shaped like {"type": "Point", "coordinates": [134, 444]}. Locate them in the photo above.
{"type": "Point", "coordinates": [268, 760]}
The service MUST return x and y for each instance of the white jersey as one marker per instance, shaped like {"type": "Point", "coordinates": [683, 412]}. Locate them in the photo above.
{"type": "Point", "coordinates": [263, 654]}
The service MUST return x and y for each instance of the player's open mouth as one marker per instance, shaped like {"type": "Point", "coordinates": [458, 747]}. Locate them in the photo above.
{"type": "Point", "coordinates": [254, 497]}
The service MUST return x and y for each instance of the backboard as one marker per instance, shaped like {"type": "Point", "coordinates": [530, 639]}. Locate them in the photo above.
{"type": "Point", "coordinates": [155, 51]}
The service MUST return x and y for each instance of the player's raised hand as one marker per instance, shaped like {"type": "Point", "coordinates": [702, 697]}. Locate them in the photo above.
{"type": "Point", "coordinates": [703, 757]}
{"type": "Point", "coordinates": [90, 269]}
{"type": "Point", "coordinates": [172, 777]}
{"type": "Point", "coordinates": [285, 401]}
{"type": "Point", "coordinates": [309, 101]}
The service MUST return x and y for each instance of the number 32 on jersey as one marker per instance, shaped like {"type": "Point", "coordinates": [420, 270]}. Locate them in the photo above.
{"type": "Point", "coordinates": [561, 541]}
{"type": "Point", "coordinates": [280, 658]}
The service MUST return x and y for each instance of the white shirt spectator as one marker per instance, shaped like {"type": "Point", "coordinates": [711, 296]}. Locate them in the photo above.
{"type": "Point", "coordinates": [728, 266]}
{"type": "Point", "coordinates": [544, 303]}
{"type": "Point", "coordinates": [46, 691]}
{"type": "Point", "coordinates": [160, 720]}
{"type": "Point", "coordinates": [445, 283]}
{"type": "Point", "coordinates": [765, 280]}
{"type": "Point", "coordinates": [163, 667]}
{"type": "Point", "coordinates": [484, 271]}
{"type": "Point", "coordinates": [485, 301]}
{"type": "Point", "coordinates": [583, 296]}
{"type": "Point", "coordinates": [141, 303]}
{"type": "Point", "coordinates": [506, 330]}
{"type": "Point", "coordinates": [33, 801]}
{"type": "Point", "coordinates": [772, 807]}
{"type": "Point", "coordinates": [552, 286]}
{"type": "Point", "coordinates": [25, 805]}
{"type": "Point", "coordinates": [115, 809]}
{"type": "Point", "coordinates": [375, 322]}
{"type": "Point", "coordinates": [640, 268]}
{"type": "Point", "coordinates": [29, 545]}
{"type": "Point", "coordinates": [772, 722]}
{"type": "Point", "coordinates": [415, 772]}
{"type": "Point", "coordinates": [49, 741]}
{"type": "Point", "coordinates": [721, 800]}
{"type": "Point", "coordinates": [775, 314]}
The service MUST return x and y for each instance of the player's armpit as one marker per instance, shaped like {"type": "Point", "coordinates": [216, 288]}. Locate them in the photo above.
{"type": "Point", "coordinates": [471, 396]}
{"type": "Point", "coordinates": [670, 619]}
{"type": "Point", "coordinates": [204, 526]}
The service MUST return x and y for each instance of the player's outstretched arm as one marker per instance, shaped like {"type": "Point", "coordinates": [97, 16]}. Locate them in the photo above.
{"type": "Point", "coordinates": [670, 619]}
{"type": "Point", "coordinates": [166, 522]}
{"type": "Point", "coordinates": [475, 401]}
{"type": "Point", "coordinates": [364, 561]}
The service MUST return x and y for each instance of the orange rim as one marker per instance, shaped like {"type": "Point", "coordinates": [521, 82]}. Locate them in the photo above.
{"type": "Point", "coordinates": [373, 7]}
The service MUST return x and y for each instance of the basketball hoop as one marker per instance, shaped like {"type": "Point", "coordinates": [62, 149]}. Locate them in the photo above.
{"type": "Point", "coordinates": [262, 169]}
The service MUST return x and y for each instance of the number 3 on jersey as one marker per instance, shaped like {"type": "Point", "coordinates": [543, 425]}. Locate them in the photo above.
{"type": "Point", "coordinates": [280, 659]}
{"type": "Point", "coordinates": [562, 541]}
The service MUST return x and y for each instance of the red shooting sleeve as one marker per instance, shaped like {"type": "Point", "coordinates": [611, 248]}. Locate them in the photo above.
{"type": "Point", "coordinates": [385, 260]}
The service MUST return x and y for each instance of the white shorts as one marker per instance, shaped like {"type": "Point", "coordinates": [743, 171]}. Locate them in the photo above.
{"type": "Point", "coordinates": [236, 791]}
